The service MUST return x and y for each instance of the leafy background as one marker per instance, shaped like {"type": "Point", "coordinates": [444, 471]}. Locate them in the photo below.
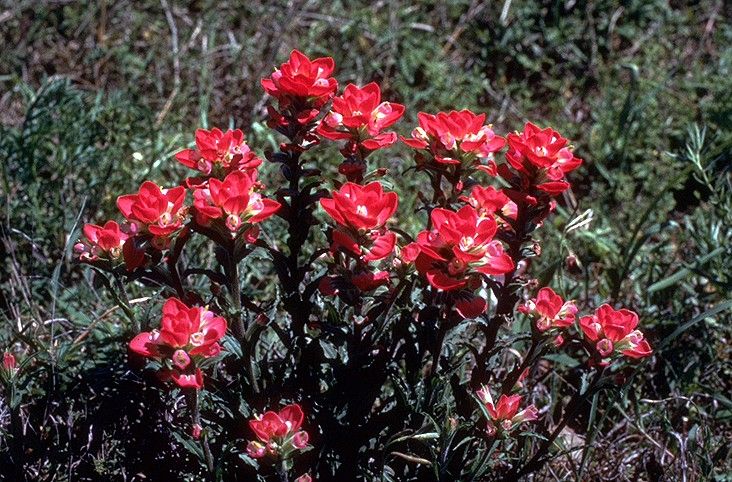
{"type": "Point", "coordinates": [97, 96]}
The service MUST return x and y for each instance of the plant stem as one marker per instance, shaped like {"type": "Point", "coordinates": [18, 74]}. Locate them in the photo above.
{"type": "Point", "coordinates": [282, 472]}
{"type": "Point", "coordinates": [507, 299]}
{"type": "Point", "coordinates": [193, 405]}
{"type": "Point", "coordinates": [512, 378]}
{"type": "Point", "coordinates": [538, 460]}
{"type": "Point", "coordinates": [235, 292]}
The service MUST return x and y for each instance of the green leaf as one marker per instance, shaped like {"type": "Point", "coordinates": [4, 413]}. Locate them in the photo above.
{"type": "Point", "coordinates": [190, 445]}
{"type": "Point", "coordinates": [329, 350]}
{"type": "Point", "coordinates": [562, 359]}
{"type": "Point", "coordinates": [681, 329]}
{"type": "Point", "coordinates": [684, 272]}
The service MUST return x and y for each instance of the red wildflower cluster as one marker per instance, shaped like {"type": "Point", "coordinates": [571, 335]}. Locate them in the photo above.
{"type": "Point", "coordinates": [457, 252]}
{"type": "Point", "coordinates": [613, 332]}
{"type": "Point", "coordinates": [218, 153]}
{"type": "Point", "coordinates": [301, 87]}
{"type": "Point", "coordinates": [9, 366]}
{"type": "Point", "coordinates": [360, 117]}
{"type": "Point", "coordinates": [233, 205]}
{"type": "Point", "coordinates": [455, 138]}
{"type": "Point", "coordinates": [278, 434]}
{"type": "Point", "coordinates": [226, 200]}
{"type": "Point", "coordinates": [538, 159]}
{"type": "Point", "coordinates": [101, 242]}
{"type": "Point", "coordinates": [504, 416]}
{"type": "Point", "coordinates": [186, 336]}
{"type": "Point", "coordinates": [360, 213]}
{"type": "Point", "coordinates": [549, 310]}
{"type": "Point", "coordinates": [154, 210]}
{"type": "Point", "coordinates": [473, 244]}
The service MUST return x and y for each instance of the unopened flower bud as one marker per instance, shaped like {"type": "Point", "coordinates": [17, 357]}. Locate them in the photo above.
{"type": "Point", "coordinates": [262, 319]}
{"type": "Point", "coordinates": [256, 450]}
{"type": "Point", "coordinates": [536, 248]}
{"type": "Point", "coordinates": [300, 440]}
{"type": "Point", "coordinates": [204, 166]}
{"type": "Point", "coordinates": [9, 362]}
{"type": "Point", "coordinates": [543, 323]}
{"type": "Point", "coordinates": [604, 347]}
{"type": "Point", "coordinates": [181, 359]}
{"type": "Point", "coordinates": [233, 222]}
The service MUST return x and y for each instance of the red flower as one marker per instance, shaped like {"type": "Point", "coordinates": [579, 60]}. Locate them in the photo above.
{"type": "Point", "coordinates": [9, 362]}
{"type": "Point", "coordinates": [158, 211]}
{"type": "Point", "coordinates": [218, 153]}
{"type": "Point", "coordinates": [361, 213]}
{"type": "Point", "coordinates": [302, 85]}
{"type": "Point", "coordinates": [456, 138]}
{"type": "Point", "coordinates": [10, 365]}
{"type": "Point", "coordinates": [187, 380]}
{"type": "Point", "coordinates": [459, 246]}
{"type": "Point", "coordinates": [360, 116]}
{"type": "Point", "coordinates": [505, 414]}
{"type": "Point", "coordinates": [488, 201]}
{"type": "Point", "coordinates": [278, 433]}
{"type": "Point", "coordinates": [186, 335]}
{"type": "Point", "coordinates": [234, 200]}
{"type": "Point", "coordinates": [101, 242]}
{"type": "Point", "coordinates": [542, 156]}
{"type": "Point", "coordinates": [456, 252]}
{"type": "Point", "coordinates": [550, 310]}
{"type": "Point", "coordinates": [614, 332]}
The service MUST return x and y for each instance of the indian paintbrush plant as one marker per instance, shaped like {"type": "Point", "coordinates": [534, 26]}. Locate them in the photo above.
{"type": "Point", "coordinates": [394, 355]}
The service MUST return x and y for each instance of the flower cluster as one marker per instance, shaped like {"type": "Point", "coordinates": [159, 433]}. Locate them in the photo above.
{"type": "Point", "coordinates": [360, 214]}
{"type": "Point", "coordinates": [154, 210]}
{"type": "Point", "coordinates": [218, 153]}
{"type": "Point", "coordinates": [504, 416]}
{"type": "Point", "coordinates": [227, 203]}
{"type": "Point", "coordinates": [538, 160]}
{"type": "Point", "coordinates": [233, 204]}
{"type": "Point", "coordinates": [278, 433]}
{"type": "Point", "coordinates": [456, 253]}
{"type": "Point", "coordinates": [489, 202]}
{"type": "Point", "coordinates": [9, 365]}
{"type": "Point", "coordinates": [473, 247]}
{"type": "Point", "coordinates": [609, 332]}
{"type": "Point", "coordinates": [455, 139]}
{"type": "Point", "coordinates": [549, 310]}
{"type": "Point", "coordinates": [301, 87]}
{"type": "Point", "coordinates": [360, 117]}
{"type": "Point", "coordinates": [186, 336]}
{"type": "Point", "coordinates": [153, 217]}
{"type": "Point", "coordinates": [101, 242]}
{"type": "Point", "coordinates": [613, 332]}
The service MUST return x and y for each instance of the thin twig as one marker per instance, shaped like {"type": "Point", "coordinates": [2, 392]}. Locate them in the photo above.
{"type": "Point", "coordinates": [176, 62]}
